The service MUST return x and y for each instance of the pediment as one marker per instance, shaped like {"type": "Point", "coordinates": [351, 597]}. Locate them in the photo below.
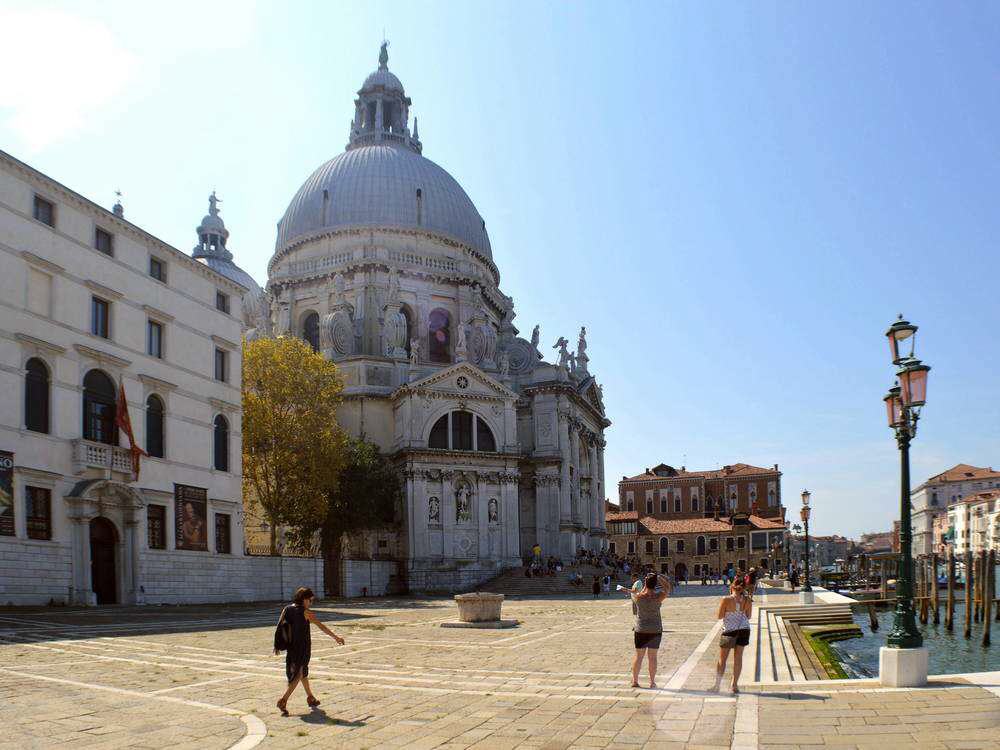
{"type": "Point", "coordinates": [592, 394]}
{"type": "Point", "coordinates": [463, 380]}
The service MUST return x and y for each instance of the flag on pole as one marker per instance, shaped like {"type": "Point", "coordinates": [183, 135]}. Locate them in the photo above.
{"type": "Point", "coordinates": [125, 424]}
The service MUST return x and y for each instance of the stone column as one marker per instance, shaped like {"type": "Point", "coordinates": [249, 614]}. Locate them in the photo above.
{"type": "Point", "coordinates": [132, 580]}
{"type": "Point", "coordinates": [601, 493]}
{"type": "Point", "coordinates": [510, 518]}
{"type": "Point", "coordinates": [578, 473]}
{"type": "Point", "coordinates": [565, 490]}
{"type": "Point", "coordinates": [80, 516]}
{"type": "Point", "coordinates": [596, 499]}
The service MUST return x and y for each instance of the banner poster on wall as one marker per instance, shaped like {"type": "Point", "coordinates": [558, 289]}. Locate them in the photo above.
{"type": "Point", "coordinates": [191, 517]}
{"type": "Point", "coordinates": [6, 493]}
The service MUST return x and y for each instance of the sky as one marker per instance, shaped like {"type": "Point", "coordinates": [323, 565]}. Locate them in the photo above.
{"type": "Point", "coordinates": [736, 199]}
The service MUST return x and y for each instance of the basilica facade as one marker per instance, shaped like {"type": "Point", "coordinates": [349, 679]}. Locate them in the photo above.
{"type": "Point", "coordinates": [384, 265]}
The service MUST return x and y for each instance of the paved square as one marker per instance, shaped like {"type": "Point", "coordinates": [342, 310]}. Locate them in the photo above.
{"type": "Point", "coordinates": [204, 677]}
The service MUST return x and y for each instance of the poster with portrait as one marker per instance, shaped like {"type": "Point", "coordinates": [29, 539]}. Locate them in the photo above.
{"type": "Point", "coordinates": [191, 517]}
{"type": "Point", "coordinates": [6, 493]}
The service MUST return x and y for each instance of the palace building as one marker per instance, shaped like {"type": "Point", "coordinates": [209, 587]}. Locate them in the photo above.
{"type": "Point", "coordinates": [384, 265]}
{"type": "Point", "coordinates": [687, 523]}
{"type": "Point", "coordinates": [101, 319]}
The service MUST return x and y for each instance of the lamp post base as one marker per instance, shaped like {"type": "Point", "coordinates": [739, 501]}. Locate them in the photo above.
{"type": "Point", "coordinates": [902, 667]}
{"type": "Point", "coordinates": [807, 597]}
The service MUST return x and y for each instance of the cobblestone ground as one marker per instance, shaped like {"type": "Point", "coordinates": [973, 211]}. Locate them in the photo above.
{"type": "Point", "coordinates": [204, 677]}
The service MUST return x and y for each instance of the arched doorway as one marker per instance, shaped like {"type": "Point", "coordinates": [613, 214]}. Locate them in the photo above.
{"type": "Point", "coordinates": [680, 572]}
{"type": "Point", "coordinates": [103, 578]}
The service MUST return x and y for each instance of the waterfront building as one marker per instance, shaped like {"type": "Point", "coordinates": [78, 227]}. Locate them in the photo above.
{"type": "Point", "coordinates": [690, 522]}
{"type": "Point", "coordinates": [877, 542]}
{"type": "Point", "coordinates": [825, 550]}
{"type": "Point", "coordinates": [933, 497]}
{"type": "Point", "coordinates": [974, 523]}
{"type": "Point", "coordinates": [384, 265]}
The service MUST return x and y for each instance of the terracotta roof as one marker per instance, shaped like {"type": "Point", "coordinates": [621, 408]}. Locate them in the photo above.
{"type": "Point", "coordinates": [704, 525]}
{"type": "Point", "coordinates": [965, 472]}
{"type": "Point", "coordinates": [626, 515]}
{"type": "Point", "coordinates": [733, 470]}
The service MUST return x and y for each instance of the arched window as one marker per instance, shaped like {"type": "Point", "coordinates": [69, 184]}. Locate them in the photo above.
{"type": "Point", "coordinates": [664, 547]}
{"type": "Point", "coordinates": [36, 395]}
{"type": "Point", "coordinates": [700, 546]}
{"type": "Point", "coordinates": [310, 330]}
{"type": "Point", "coordinates": [462, 431]}
{"type": "Point", "coordinates": [154, 426]}
{"type": "Point", "coordinates": [99, 408]}
{"type": "Point", "coordinates": [221, 444]}
{"type": "Point", "coordinates": [694, 503]}
{"type": "Point", "coordinates": [439, 335]}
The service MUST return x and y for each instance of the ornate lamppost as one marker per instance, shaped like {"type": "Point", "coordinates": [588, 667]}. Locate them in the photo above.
{"type": "Point", "coordinates": [807, 591]}
{"type": "Point", "coordinates": [904, 662]}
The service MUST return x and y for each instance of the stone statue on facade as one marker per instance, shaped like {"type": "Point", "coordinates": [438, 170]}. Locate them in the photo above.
{"type": "Point", "coordinates": [433, 510]}
{"type": "Point", "coordinates": [493, 512]}
{"type": "Point", "coordinates": [461, 345]}
{"type": "Point", "coordinates": [504, 365]}
{"type": "Point", "coordinates": [581, 359]}
{"type": "Point", "coordinates": [564, 355]}
{"type": "Point", "coordinates": [463, 504]}
{"type": "Point", "coordinates": [535, 335]}
{"type": "Point", "coordinates": [414, 352]}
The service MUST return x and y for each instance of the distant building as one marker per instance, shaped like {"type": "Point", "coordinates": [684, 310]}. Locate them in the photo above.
{"type": "Point", "coordinates": [876, 542]}
{"type": "Point", "coordinates": [825, 550]}
{"type": "Point", "coordinates": [932, 498]}
{"type": "Point", "coordinates": [974, 523]}
{"type": "Point", "coordinates": [942, 534]}
{"type": "Point", "coordinates": [691, 522]}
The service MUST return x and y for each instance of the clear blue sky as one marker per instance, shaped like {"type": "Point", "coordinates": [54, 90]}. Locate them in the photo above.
{"type": "Point", "coordinates": [736, 199]}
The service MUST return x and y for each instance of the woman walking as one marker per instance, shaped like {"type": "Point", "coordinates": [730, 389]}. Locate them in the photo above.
{"type": "Point", "coordinates": [648, 627]}
{"type": "Point", "coordinates": [292, 635]}
{"type": "Point", "coordinates": [734, 611]}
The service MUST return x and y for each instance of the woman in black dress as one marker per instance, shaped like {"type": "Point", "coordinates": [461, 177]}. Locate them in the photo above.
{"type": "Point", "coordinates": [297, 618]}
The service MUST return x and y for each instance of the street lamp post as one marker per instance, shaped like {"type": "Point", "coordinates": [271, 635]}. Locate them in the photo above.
{"type": "Point", "coordinates": [904, 662]}
{"type": "Point", "coordinates": [807, 591]}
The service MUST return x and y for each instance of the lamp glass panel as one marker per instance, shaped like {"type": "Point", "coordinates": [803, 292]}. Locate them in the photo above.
{"type": "Point", "coordinates": [914, 384]}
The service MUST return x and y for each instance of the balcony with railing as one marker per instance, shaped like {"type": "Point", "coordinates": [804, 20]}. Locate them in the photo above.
{"type": "Point", "coordinates": [101, 460]}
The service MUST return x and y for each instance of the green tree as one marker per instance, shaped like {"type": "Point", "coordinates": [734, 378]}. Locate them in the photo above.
{"type": "Point", "coordinates": [293, 448]}
{"type": "Point", "coordinates": [368, 496]}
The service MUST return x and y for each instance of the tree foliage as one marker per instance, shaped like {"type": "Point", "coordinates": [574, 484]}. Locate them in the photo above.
{"type": "Point", "coordinates": [293, 448]}
{"type": "Point", "coordinates": [368, 496]}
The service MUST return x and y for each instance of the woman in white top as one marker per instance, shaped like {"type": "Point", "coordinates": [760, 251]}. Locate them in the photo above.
{"type": "Point", "coordinates": [734, 611]}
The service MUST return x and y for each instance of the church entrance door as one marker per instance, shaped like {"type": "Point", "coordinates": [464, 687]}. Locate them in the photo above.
{"type": "Point", "coordinates": [680, 572]}
{"type": "Point", "coordinates": [103, 580]}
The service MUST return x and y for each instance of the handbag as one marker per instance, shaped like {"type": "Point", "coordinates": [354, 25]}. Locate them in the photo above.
{"type": "Point", "coordinates": [282, 634]}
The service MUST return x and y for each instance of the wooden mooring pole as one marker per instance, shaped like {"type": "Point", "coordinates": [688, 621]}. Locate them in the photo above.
{"type": "Point", "coordinates": [922, 589]}
{"type": "Point", "coordinates": [977, 602]}
{"type": "Point", "coordinates": [935, 595]}
{"type": "Point", "coordinates": [949, 613]}
{"type": "Point", "coordinates": [883, 571]}
{"type": "Point", "coordinates": [968, 592]}
{"type": "Point", "coordinates": [989, 569]}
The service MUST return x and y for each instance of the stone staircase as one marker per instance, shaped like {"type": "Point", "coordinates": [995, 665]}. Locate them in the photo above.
{"type": "Point", "coordinates": [513, 584]}
{"type": "Point", "coordinates": [778, 650]}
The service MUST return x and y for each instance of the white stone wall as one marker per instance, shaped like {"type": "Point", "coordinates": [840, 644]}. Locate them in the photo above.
{"type": "Point", "coordinates": [34, 572]}
{"type": "Point", "coordinates": [182, 578]}
{"type": "Point", "coordinates": [359, 575]}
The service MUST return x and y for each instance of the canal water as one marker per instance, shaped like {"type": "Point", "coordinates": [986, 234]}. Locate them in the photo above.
{"type": "Point", "coordinates": [949, 652]}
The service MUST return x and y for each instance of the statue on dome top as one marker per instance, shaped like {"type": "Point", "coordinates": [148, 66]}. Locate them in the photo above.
{"type": "Point", "coordinates": [213, 209]}
{"type": "Point", "coordinates": [383, 55]}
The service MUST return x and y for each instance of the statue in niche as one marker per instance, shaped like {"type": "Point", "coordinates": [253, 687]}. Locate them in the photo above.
{"type": "Point", "coordinates": [463, 505]}
{"type": "Point", "coordinates": [535, 335]}
{"type": "Point", "coordinates": [393, 287]}
{"type": "Point", "coordinates": [461, 346]}
{"type": "Point", "coordinates": [564, 355]}
{"type": "Point", "coordinates": [434, 510]}
{"type": "Point", "coordinates": [494, 514]}
{"type": "Point", "coordinates": [504, 364]}
{"type": "Point", "coordinates": [339, 286]}
{"type": "Point", "coordinates": [414, 351]}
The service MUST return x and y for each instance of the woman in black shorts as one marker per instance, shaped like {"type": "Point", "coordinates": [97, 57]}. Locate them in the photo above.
{"type": "Point", "coordinates": [734, 611]}
{"type": "Point", "coordinates": [648, 627]}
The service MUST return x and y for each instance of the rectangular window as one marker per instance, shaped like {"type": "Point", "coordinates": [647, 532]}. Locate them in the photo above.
{"type": "Point", "coordinates": [104, 241]}
{"type": "Point", "coordinates": [729, 544]}
{"type": "Point", "coordinates": [221, 357]}
{"type": "Point", "coordinates": [677, 504]}
{"type": "Point", "coordinates": [38, 512]}
{"type": "Point", "coordinates": [222, 302]}
{"type": "Point", "coordinates": [758, 541]}
{"type": "Point", "coordinates": [649, 505]}
{"type": "Point", "coordinates": [663, 504]}
{"type": "Point", "coordinates": [156, 526]}
{"type": "Point", "coordinates": [713, 544]}
{"type": "Point", "coordinates": [631, 548]}
{"type": "Point", "coordinates": [158, 269]}
{"type": "Point", "coordinates": [45, 211]}
{"type": "Point", "coordinates": [222, 544]}
{"type": "Point", "coordinates": [100, 317]}
{"type": "Point", "coordinates": [649, 547]}
{"type": "Point", "coordinates": [741, 542]}
{"type": "Point", "coordinates": [461, 430]}
{"type": "Point", "coordinates": [154, 339]}
{"type": "Point", "coordinates": [611, 547]}
{"type": "Point", "coordinates": [679, 545]}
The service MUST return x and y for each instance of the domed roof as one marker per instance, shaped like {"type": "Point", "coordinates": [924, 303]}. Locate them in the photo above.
{"type": "Point", "coordinates": [382, 77]}
{"type": "Point", "coordinates": [232, 272]}
{"type": "Point", "coordinates": [377, 186]}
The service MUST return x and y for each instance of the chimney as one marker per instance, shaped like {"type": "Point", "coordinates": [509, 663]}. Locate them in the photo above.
{"type": "Point", "coordinates": [776, 467]}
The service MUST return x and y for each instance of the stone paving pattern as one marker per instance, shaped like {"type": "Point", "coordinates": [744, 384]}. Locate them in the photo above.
{"type": "Point", "coordinates": [182, 677]}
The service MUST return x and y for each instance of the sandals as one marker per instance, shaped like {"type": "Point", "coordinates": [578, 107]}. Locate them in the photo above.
{"type": "Point", "coordinates": [312, 701]}
{"type": "Point", "coordinates": [283, 707]}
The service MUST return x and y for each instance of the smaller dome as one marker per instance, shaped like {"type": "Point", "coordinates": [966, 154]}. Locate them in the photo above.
{"type": "Point", "coordinates": [210, 222]}
{"type": "Point", "coordinates": [382, 77]}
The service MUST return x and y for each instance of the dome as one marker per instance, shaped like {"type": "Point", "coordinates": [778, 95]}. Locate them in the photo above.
{"type": "Point", "coordinates": [382, 77]}
{"type": "Point", "coordinates": [376, 186]}
{"type": "Point", "coordinates": [212, 222]}
{"type": "Point", "coordinates": [232, 272]}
